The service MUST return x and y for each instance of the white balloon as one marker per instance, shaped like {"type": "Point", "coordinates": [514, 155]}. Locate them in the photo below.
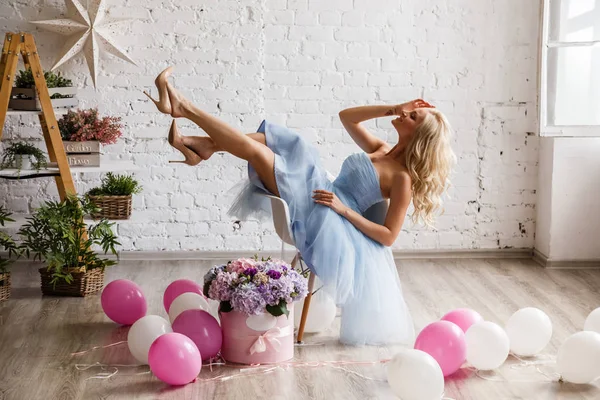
{"type": "Point", "coordinates": [415, 375]}
{"type": "Point", "coordinates": [143, 333]}
{"type": "Point", "coordinates": [487, 345]}
{"type": "Point", "coordinates": [321, 313]}
{"type": "Point", "coordinates": [592, 322]}
{"type": "Point", "coordinates": [578, 359]}
{"type": "Point", "coordinates": [261, 322]}
{"type": "Point", "coordinates": [187, 301]}
{"type": "Point", "coordinates": [529, 331]}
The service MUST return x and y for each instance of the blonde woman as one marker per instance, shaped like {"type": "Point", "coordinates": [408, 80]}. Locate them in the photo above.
{"type": "Point", "coordinates": [350, 254]}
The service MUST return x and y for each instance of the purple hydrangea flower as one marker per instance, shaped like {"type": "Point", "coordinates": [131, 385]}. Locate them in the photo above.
{"type": "Point", "coordinates": [221, 287]}
{"type": "Point", "coordinates": [213, 272]}
{"type": "Point", "coordinates": [247, 299]}
{"type": "Point", "coordinates": [256, 285]}
{"type": "Point", "coordinates": [274, 274]}
{"type": "Point", "coordinates": [300, 284]}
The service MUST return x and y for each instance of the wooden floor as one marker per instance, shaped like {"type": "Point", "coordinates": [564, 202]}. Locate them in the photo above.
{"type": "Point", "coordinates": [38, 335]}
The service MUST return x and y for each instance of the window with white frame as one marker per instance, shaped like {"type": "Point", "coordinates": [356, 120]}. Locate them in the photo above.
{"type": "Point", "coordinates": [570, 68]}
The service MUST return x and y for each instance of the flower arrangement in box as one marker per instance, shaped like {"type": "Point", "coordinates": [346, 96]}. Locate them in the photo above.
{"type": "Point", "coordinates": [256, 308]}
{"type": "Point", "coordinates": [86, 125]}
{"type": "Point", "coordinates": [83, 131]}
{"type": "Point", "coordinates": [253, 287]}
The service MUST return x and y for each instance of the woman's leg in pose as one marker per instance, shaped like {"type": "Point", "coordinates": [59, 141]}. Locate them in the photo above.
{"type": "Point", "coordinates": [227, 138]}
{"type": "Point", "coordinates": [205, 147]}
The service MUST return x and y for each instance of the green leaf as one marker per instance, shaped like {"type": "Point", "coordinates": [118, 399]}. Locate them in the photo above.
{"type": "Point", "coordinates": [54, 234]}
{"type": "Point", "coordinates": [21, 148]}
{"type": "Point", "coordinates": [116, 185]}
{"type": "Point", "coordinates": [206, 287]}
{"type": "Point", "coordinates": [225, 306]}
{"type": "Point", "coordinates": [279, 309]}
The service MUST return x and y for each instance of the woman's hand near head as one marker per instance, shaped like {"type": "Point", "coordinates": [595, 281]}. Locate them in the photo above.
{"type": "Point", "coordinates": [351, 118]}
{"type": "Point", "coordinates": [409, 106]}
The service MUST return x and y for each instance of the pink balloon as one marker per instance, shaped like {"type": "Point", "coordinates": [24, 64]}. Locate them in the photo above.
{"type": "Point", "coordinates": [174, 359]}
{"type": "Point", "coordinates": [463, 317]}
{"type": "Point", "coordinates": [123, 301]}
{"type": "Point", "coordinates": [203, 329]}
{"type": "Point", "coordinates": [444, 341]}
{"type": "Point", "coordinates": [178, 287]}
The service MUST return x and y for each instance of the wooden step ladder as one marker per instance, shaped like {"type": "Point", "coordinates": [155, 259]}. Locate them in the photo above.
{"type": "Point", "coordinates": [24, 44]}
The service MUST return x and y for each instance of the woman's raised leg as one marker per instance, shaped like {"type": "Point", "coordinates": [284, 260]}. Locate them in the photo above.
{"type": "Point", "coordinates": [228, 138]}
{"type": "Point", "coordinates": [205, 147]}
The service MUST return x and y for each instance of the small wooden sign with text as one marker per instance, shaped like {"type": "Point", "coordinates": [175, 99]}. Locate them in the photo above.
{"type": "Point", "coordinates": [83, 154]}
{"type": "Point", "coordinates": [84, 160]}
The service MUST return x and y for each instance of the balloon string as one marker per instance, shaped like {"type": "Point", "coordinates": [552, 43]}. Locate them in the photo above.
{"type": "Point", "coordinates": [358, 374]}
{"type": "Point", "coordinates": [528, 363]}
{"type": "Point", "coordinates": [550, 359]}
{"type": "Point", "coordinates": [497, 379]}
{"type": "Point", "coordinates": [267, 369]}
{"type": "Point", "coordinates": [98, 347]}
{"type": "Point", "coordinates": [551, 377]}
{"type": "Point", "coordinates": [257, 369]}
{"type": "Point", "coordinates": [104, 367]}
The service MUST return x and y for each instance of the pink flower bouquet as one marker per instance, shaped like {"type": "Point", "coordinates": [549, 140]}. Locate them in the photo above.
{"type": "Point", "coordinates": [253, 287]}
{"type": "Point", "coordinates": [83, 125]}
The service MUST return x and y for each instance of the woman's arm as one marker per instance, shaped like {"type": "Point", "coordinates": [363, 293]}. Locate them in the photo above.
{"type": "Point", "coordinates": [387, 233]}
{"type": "Point", "coordinates": [351, 119]}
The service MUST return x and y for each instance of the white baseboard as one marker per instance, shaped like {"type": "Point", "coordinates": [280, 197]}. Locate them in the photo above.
{"type": "Point", "coordinates": [544, 261]}
{"type": "Point", "coordinates": [201, 255]}
{"type": "Point", "coordinates": [462, 253]}
{"type": "Point", "coordinates": [289, 254]}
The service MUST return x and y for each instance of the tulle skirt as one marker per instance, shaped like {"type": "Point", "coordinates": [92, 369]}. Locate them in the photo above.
{"type": "Point", "coordinates": [357, 272]}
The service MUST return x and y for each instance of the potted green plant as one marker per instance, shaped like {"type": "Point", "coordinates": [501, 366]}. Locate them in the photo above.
{"type": "Point", "coordinates": [22, 155]}
{"type": "Point", "coordinates": [24, 95]}
{"type": "Point", "coordinates": [57, 234]}
{"type": "Point", "coordinates": [11, 249]}
{"type": "Point", "coordinates": [114, 196]}
{"type": "Point", "coordinates": [83, 131]}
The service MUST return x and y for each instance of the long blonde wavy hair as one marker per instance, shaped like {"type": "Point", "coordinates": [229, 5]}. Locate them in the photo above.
{"type": "Point", "coordinates": [430, 159]}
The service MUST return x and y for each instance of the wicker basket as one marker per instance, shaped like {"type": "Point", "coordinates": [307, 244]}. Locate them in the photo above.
{"type": "Point", "coordinates": [112, 207]}
{"type": "Point", "coordinates": [4, 286]}
{"type": "Point", "coordinates": [84, 283]}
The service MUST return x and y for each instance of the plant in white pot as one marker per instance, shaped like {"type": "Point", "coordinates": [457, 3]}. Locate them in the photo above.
{"type": "Point", "coordinates": [22, 155]}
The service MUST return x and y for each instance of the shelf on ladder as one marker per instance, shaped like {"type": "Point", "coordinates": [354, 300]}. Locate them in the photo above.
{"type": "Point", "coordinates": [58, 111]}
{"type": "Point", "coordinates": [21, 219]}
{"type": "Point", "coordinates": [52, 170]}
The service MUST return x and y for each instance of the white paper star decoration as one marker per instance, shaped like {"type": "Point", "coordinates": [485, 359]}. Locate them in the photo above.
{"type": "Point", "coordinates": [87, 30]}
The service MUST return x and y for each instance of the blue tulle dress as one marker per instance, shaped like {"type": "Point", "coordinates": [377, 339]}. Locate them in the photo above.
{"type": "Point", "coordinates": [358, 272]}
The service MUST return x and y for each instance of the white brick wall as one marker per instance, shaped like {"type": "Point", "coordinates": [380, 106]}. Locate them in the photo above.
{"type": "Point", "coordinates": [298, 62]}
